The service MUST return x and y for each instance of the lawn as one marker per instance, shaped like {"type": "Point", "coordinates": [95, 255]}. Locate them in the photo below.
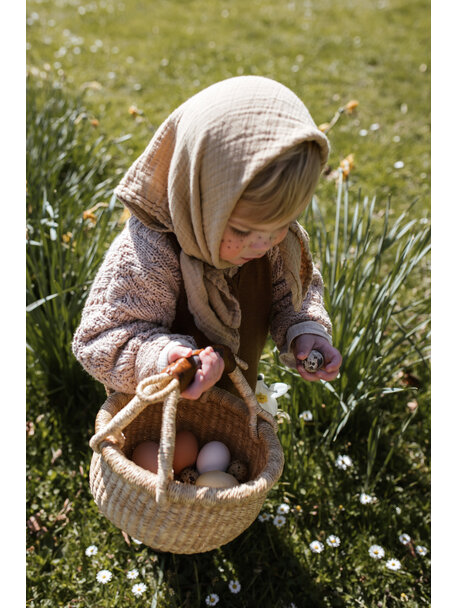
{"type": "Point", "coordinates": [101, 78]}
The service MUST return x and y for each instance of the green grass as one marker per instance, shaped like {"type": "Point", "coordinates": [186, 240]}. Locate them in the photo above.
{"type": "Point", "coordinates": [373, 255]}
{"type": "Point", "coordinates": [154, 55]}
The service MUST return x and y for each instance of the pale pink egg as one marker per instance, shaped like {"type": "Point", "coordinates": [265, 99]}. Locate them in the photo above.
{"type": "Point", "coordinates": [145, 455]}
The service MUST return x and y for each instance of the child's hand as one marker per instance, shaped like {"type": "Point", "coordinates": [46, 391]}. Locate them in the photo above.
{"type": "Point", "coordinates": [302, 346]}
{"type": "Point", "coordinates": [211, 370]}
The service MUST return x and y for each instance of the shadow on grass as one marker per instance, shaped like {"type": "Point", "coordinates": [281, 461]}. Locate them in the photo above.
{"type": "Point", "coordinates": [268, 570]}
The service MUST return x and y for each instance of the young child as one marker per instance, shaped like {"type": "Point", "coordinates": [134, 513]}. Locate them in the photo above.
{"type": "Point", "coordinates": [212, 252]}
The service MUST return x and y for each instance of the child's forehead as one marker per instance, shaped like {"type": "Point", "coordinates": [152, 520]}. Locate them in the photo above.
{"type": "Point", "coordinates": [243, 218]}
{"type": "Point", "coordinates": [252, 225]}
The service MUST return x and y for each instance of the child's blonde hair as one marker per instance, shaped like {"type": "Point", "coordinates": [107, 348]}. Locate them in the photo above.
{"type": "Point", "coordinates": [284, 188]}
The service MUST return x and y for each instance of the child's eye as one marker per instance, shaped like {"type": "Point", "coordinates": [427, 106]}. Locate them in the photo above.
{"type": "Point", "coordinates": [239, 232]}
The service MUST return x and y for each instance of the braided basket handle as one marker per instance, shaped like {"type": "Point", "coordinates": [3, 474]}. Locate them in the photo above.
{"type": "Point", "coordinates": [167, 387]}
{"type": "Point", "coordinates": [184, 371]}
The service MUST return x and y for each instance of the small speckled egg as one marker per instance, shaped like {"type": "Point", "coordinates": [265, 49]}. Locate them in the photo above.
{"type": "Point", "coordinates": [214, 456]}
{"type": "Point", "coordinates": [188, 475]}
{"type": "Point", "coordinates": [239, 470]}
{"type": "Point", "coordinates": [217, 479]}
{"type": "Point", "coordinates": [314, 361]}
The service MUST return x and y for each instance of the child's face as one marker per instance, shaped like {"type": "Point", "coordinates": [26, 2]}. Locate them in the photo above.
{"type": "Point", "coordinates": [243, 240]}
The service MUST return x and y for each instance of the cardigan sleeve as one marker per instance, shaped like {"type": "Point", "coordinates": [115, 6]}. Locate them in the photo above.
{"type": "Point", "coordinates": [125, 323]}
{"type": "Point", "coordinates": [286, 322]}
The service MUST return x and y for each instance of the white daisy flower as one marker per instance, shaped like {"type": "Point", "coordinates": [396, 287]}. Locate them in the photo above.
{"type": "Point", "coordinates": [399, 164]}
{"type": "Point", "coordinates": [398, 510]}
{"type": "Point", "coordinates": [138, 589]}
{"type": "Point", "coordinates": [316, 546]}
{"type": "Point", "coordinates": [397, 139]}
{"type": "Point", "coordinates": [234, 586]}
{"type": "Point", "coordinates": [405, 539]}
{"type": "Point", "coordinates": [363, 132]}
{"type": "Point", "coordinates": [264, 517]}
{"type": "Point", "coordinates": [421, 550]}
{"type": "Point", "coordinates": [365, 499]}
{"type": "Point", "coordinates": [374, 126]}
{"type": "Point", "coordinates": [267, 396]}
{"type": "Point", "coordinates": [212, 599]}
{"type": "Point", "coordinates": [343, 462]}
{"type": "Point", "coordinates": [307, 416]}
{"type": "Point", "coordinates": [333, 541]}
{"type": "Point", "coordinates": [376, 551]}
{"type": "Point", "coordinates": [393, 564]}
{"type": "Point", "coordinates": [283, 509]}
{"type": "Point", "coordinates": [132, 574]}
{"type": "Point", "coordinates": [279, 521]}
{"type": "Point", "coordinates": [91, 550]}
{"type": "Point", "coordinates": [104, 576]}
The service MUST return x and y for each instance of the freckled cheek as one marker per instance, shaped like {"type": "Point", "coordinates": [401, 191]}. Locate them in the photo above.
{"type": "Point", "coordinates": [230, 247]}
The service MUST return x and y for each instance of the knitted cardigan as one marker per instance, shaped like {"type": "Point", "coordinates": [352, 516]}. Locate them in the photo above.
{"type": "Point", "coordinates": [124, 332]}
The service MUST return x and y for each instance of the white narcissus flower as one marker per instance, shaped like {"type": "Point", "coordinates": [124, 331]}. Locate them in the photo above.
{"type": "Point", "coordinates": [267, 395]}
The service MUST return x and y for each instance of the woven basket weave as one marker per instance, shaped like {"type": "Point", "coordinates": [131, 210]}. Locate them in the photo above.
{"type": "Point", "coordinates": [169, 515]}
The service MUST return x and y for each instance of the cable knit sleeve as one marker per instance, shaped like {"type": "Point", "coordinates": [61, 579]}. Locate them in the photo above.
{"type": "Point", "coordinates": [132, 303]}
{"type": "Point", "coordinates": [286, 323]}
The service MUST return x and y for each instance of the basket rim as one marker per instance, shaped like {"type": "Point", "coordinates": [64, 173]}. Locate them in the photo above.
{"type": "Point", "coordinates": [179, 492]}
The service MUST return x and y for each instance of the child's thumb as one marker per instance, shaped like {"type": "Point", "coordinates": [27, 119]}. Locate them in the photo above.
{"type": "Point", "coordinates": [178, 352]}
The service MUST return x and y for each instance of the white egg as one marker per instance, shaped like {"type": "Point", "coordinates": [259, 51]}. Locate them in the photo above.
{"type": "Point", "coordinates": [217, 479]}
{"type": "Point", "coordinates": [214, 456]}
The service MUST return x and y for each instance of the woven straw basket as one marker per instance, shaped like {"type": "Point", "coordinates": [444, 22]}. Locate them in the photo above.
{"type": "Point", "coordinates": [169, 515]}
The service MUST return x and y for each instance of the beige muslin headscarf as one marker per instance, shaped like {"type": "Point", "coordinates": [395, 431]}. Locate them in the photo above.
{"type": "Point", "coordinates": [193, 172]}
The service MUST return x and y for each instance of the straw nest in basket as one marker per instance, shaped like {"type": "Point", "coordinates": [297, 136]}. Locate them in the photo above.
{"type": "Point", "coordinates": [183, 518]}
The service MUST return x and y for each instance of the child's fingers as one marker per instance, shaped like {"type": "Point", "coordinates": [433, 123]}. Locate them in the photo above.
{"type": "Point", "coordinates": [177, 352]}
{"type": "Point", "coordinates": [333, 361]}
{"type": "Point", "coordinates": [211, 371]}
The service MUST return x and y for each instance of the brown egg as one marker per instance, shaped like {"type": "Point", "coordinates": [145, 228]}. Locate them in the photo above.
{"type": "Point", "coordinates": [185, 451]}
{"type": "Point", "coordinates": [145, 455]}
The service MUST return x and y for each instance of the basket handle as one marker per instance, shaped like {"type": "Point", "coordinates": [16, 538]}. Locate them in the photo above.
{"type": "Point", "coordinates": [184, 371]}
{"type": "Point", "coordinates": [167, 387]}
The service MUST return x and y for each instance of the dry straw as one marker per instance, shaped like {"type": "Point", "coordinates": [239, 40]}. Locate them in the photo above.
{"type": "Point", "coordinates": [163, 513]}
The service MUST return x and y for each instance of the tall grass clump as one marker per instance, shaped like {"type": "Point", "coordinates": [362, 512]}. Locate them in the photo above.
{"type": "Point", "coordinates": [71, 219]}
{"type": "Point", "coordinates": [371, 267]}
